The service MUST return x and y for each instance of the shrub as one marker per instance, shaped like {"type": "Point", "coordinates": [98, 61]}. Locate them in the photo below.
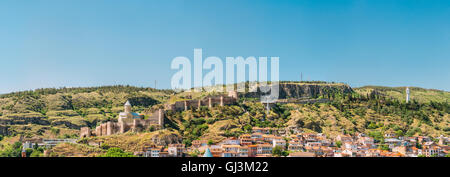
{"type": "Point", "coordinates": [116, 152]}
{"type": "Point", "coordinates": [105, 146]}
{"type": "Point", "coordinates": [338, 144]}
{"type": "Point", "coordinates": [277, 151]}
{"type": "Point", "coordinates": [377, 135]}
{"type": "Point", "coordinates": [55, 130]}
{"type": "Point", "coordinates": [36, 153]}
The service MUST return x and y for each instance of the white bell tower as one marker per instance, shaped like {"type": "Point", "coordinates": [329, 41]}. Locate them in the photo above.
{"type": "Point", "coordinates": [127, 107]}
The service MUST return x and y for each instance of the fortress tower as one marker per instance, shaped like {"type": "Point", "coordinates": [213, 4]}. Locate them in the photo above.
{"type": "Point", "coordinates": [161, 118]}
{"type": "Point", "coordinates": [233, 94]}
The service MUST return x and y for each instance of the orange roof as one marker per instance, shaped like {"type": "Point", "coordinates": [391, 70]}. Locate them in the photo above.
{"type": "Point", "coordinates": [245, 135]}
{"type": "Point", "coordinates": [263, 155]}
{"type": "Point", "coordinates": [230, 145]}
{"type": "Point", "coordinates": [265, 145]}
{"type": "Point", "coordinates": [231, 138]}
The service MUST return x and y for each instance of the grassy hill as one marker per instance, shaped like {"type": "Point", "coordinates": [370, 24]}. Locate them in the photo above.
{"type": "Point", "coordinates": [419, 94]}
{"type": "Point", "coordinates": [59, 113]}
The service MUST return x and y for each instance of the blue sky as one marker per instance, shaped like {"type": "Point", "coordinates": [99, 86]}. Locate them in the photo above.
{"type": "Point", "coordinates": [53, 43]}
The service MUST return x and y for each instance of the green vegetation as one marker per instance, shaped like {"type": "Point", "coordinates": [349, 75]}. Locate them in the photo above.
{"type": "Point", "coordinates": [421, 95]}
{"type": "Point", "coordinates": [14, 150]}
{"type": "Point", "coordinates": [59, 113]}
{"type": "Point", "coordinates": [338, 144]}
{"type": "Point", "coordinates": [377, 136]}
{"type": "Point", "coordinates": [372, 114]}
{"type": "Point", "coordinates": [37, 152]}
{"type": "Point", "coordinates": [116, 152]}
{"type": "Point", "coordinates": [278, 151]}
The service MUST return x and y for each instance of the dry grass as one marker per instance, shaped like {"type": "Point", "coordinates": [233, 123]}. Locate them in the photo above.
{"type": "Point", "coordinates": [419, 94]}
{"type": "Point", "coordinates": [132, 142]}
{"type": "Point", "coordinates": [74, 150]}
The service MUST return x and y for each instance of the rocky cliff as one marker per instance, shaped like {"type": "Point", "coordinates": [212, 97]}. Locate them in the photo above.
{"type": "Point", "coordinates": [306, 90]}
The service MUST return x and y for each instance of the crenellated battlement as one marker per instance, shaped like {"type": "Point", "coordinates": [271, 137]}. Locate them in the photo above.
{"type": "Point", "coordinates": [209, 101]}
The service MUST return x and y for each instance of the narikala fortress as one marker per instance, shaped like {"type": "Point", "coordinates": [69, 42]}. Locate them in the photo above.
{"type": "Point", "coordinates": [131, 121]}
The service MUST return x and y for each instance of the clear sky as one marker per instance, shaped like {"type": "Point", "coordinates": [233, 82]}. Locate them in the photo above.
{"type": "Point", "coordinates": [55, 43]}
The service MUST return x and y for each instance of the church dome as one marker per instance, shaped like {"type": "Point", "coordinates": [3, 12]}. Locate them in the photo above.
{"type": "Point", "coordinates": [207, 153]}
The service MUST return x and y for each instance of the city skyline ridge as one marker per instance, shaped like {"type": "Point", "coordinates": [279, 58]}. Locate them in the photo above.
{"type": "Point", "coordinates": [153, 86]}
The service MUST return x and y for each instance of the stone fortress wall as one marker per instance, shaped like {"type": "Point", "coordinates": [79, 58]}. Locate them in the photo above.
{"type": "Point", "coordinates": [209, 101]}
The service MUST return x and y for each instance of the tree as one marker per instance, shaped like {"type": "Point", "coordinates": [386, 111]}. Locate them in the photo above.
{"type": "Point", "coordinates": [372, 126]}
{"type": "Point", "coordinates": [277, 151]}
{"type": "Point", "coordinates": [399, 133]}
{"type": "Point", "coordinates": [418, 145]}
{"type": "Point", "coordinates": [28, 152]}
{"type": "Point", "coordinates": [55, 130]}
{"type": "Point", "coordinates": [210, 142]}
{"type": "Point", "coordinates": [36, 153]}
{"type": "Point", "coordinates": [384, 147]}
{"type": "Point", "coordinates": [195, 153]}
{"type": "Point", "coordinates": [151, 129]}
{"type": "Point", "coordinates": [187, 142]}
{"type": "Point", "coordinates": [377, 135]}
{"type": "Point", "coordinates": [14, 150]}
{"type": "Point", "coordinates": [105, 146]}
{"type": "Point", "coordinates": [339, 144]}
{"type": "Point", "coordinates": [247, 128]}
{"type": "Point", "coordinates": [116, 152]}
{"type": "Point", "coordinates": [285, 153]}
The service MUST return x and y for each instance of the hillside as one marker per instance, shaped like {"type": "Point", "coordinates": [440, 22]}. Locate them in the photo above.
{"type": "Point", "coordinates": [419, 94]}
{"type": "Point", "coordinates": [129, 142]}
{"type": "Point", "coordinates": [59, 113]}
{"type": "Point", "coordinates": [62, 112]}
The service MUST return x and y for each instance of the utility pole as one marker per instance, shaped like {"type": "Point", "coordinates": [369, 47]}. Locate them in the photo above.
{"type": "Point", "coordinates": [301, 76]}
